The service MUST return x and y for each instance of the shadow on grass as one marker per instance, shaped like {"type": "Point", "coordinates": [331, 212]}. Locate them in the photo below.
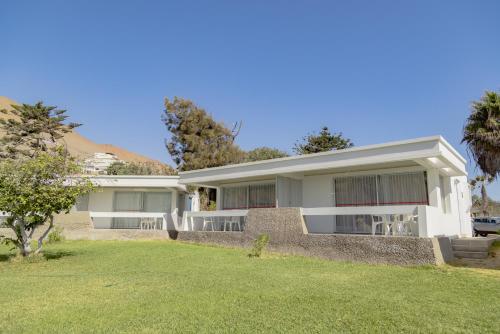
{"type": "Point", "coordinates": [56, 254]}
{"type": "Point", "coordinates": [6, 257]}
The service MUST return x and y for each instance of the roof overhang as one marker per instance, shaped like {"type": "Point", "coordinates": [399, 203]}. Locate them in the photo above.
{"type": "Point", "coordinates": [137, 181]}
{"type": "Point", "coordinates": [429, 152]}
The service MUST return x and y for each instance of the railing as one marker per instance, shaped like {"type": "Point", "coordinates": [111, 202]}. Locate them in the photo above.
{"type": "Point", "coordinates": [401, 220]}
{"type": "Point", "coordinates": [131, 220]}
{"type": "Point", "coordinates": [221, 220]}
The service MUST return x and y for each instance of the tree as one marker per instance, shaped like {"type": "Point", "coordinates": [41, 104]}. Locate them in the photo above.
{"type": "Point", "coordinates": [33, 190]}
{"type": "Point", "coordinates": [31, 129]}
{"type": "Point", "coordinates": [322, 142]}
{"type": "Point", "coordinates": [139, 168]}
{"type": "Point", "coordinates": [481, 182]}
{"type": "Point", "coordinates": [197, 140]}
{"type": "Point", "coordinates": [482, 133]}
{"type": "Point", "coordinates": [264, 153]}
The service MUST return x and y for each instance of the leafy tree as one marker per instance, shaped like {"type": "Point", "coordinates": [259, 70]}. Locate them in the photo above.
{"type": "Point", "coordinates": [482, 133]}
{"type": "Point", "coordinates": [33, 190]}
{"type": "Point", "coordinates": [197, 140]}
{"type": "Point", "coordinates": [31, 129]}
{"type": "Point", "coordinates": [139, 168]}
{"type": "Point", "coordinates": [264, 153]}
{"type": "Point", "coordinates": [481, 182]}
{"type": "Point", "coordinates": [322, 142]}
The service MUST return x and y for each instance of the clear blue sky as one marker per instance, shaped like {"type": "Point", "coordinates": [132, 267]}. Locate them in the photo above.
{"type": "Point", "coordinates": [375, 70]}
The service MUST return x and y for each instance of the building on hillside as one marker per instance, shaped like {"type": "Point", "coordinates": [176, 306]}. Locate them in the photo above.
{"type": "Point", "coordinates": [99, 163]}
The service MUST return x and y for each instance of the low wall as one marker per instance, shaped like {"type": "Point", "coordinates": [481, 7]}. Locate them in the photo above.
{"type": "Point", "coordinates": [287, 234]}
{"type": "Point", "coordinates": [78, 226]}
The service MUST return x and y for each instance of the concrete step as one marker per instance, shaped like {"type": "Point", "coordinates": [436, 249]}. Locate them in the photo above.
{"type": "Point", "coordinates": [473, 242]}
{"type": "Point", "coordinates": [471, 255]}
{"type": "Point", "coordinates": [470, 248]}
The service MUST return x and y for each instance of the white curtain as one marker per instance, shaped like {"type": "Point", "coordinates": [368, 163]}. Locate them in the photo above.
{"type": "Point", "coordinates": [252, 196]}
{"type": "Point", "coordinates": [157, 202]}
{"type": "Point", "coordinates": [356, 190]}
{"type": "Point", "coordinates": [82, 204]}
{"type": "Point", "coordinates": [234, 198]}
{"type": "Point", "coordinates": [262, 196]}
{"type": "Point", "coordinates": [128, 201]}
{"type": "Point", "coordinates": [384, 189]}
{"type": "Point", "coordinates": [402, 189]}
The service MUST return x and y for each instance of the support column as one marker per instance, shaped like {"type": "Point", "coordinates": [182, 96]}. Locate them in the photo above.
{"type": "Point", "coordinates": [434, 188]}
{"type": "Point", "coordinates": [218, 198]}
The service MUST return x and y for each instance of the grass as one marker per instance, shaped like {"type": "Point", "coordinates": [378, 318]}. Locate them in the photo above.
{"type": "Point", "coordinates": [155, 286]}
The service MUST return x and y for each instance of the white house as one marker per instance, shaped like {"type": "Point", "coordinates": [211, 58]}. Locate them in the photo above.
{"type": "Point", "coordinates": [135, 202]}
{"type": "Point", "coordinates": [414, 187]}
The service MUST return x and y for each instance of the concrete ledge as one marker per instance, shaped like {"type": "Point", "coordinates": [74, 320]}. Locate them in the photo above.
{"type": "Point", "coordinates": [115, 234]}
{"type": "Point", "coordinates": [78, 226]}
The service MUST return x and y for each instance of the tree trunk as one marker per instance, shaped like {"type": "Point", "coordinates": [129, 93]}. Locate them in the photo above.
{"type": "Point", "coordinates": [44, 235]}
{"type": "Point", "coordinates": [23, 238]}
{"type": "Point", "coordinates": [484, 200]}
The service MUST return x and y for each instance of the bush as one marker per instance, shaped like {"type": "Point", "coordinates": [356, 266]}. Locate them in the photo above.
{"type": "Point", "coordinates": [212, 206]}
{"type": "Point", "coordinates": [259, 244]}
{"type": "Point", "coordinates": [55, 236]}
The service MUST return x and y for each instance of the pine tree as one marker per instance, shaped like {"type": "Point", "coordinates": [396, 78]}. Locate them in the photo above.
{"type": "Point", "coordinates": [31, 129]}
{"type": "Point", "coordinates": [264, 153]}
{"type": "Point", "coordinates": [322, 142]}
{"type": "Point", "coordinates": [197, 141]}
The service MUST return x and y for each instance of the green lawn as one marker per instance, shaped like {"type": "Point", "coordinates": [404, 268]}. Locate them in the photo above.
{"type": "Point", "coordinates": [159, 286]}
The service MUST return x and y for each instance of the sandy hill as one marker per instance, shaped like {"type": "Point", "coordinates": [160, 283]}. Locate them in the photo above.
{"type": "Point", "coordinates": [82, 147]}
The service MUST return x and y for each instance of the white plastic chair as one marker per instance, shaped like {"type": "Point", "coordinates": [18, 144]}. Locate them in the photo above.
{"type": "Point", "coordinates": [207, 221]}
{"type": "Point", "coordinates": [405, 224]}
{"type": "Point", "coordinates": [236, 222]}
{"type": "Point", "coordinates": [147, 224]}
{"type": "Point", "coordinates": [381, 220]}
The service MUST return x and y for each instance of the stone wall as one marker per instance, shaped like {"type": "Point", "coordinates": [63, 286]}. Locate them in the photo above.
{"type": "Point", "coordinates": [288, 234]}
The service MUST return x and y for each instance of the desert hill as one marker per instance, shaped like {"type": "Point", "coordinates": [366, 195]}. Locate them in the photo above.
{"type": "Point", "coordinates": [82, 147]}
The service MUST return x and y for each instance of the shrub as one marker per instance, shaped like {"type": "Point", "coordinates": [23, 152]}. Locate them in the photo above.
{"type": "Point", "coordinates": [212, 206]}
{"type": "Point", "coordinates": [55, 236]}
{"type": "Point", "coordinates": [259, 244]}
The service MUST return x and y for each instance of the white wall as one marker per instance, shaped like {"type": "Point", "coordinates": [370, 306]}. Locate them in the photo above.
{"type": "Point", "coordinates": [288, 192]}
{"type": "Point", "coordinates": [317, 191]}
{"type": "Point", "coordinates": [452, 202]}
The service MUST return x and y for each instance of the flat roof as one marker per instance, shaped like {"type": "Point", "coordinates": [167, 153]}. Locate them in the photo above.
{"type": "Point", "coordinates": [430, 152]}
{"type": "Point", "coordinates": [138, 181]}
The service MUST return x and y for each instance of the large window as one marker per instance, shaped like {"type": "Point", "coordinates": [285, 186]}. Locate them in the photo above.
{"type": "Point", "coordinates": [137, 201]}
{"type": "Point", "coordinates": [249, 196]}
{"type": "Point", "coordinates": [384, 189]}
{"type": "Point", "coordinates": [375, 190]}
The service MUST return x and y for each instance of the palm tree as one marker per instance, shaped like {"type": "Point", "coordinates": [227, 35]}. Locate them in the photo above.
{"type": "Point", "coordinates": [482, 133]}
{"type": "Point", "coordinates": [481, 182]}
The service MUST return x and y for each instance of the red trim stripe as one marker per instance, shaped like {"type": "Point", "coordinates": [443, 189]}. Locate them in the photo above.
{"type": "Point", "coordinates": [382, 203]}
